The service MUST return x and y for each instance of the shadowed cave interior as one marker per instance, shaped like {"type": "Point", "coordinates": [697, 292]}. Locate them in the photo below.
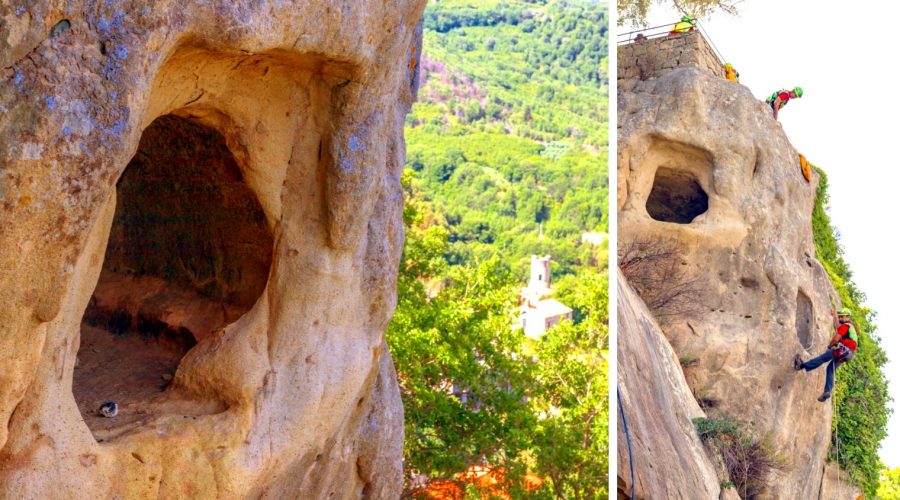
{"type": "Point", "coordinates": [676, 196]}
{"type": "Point", "coordinates": [189, 252]}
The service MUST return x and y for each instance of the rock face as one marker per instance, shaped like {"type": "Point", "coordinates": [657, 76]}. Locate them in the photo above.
{"type": "Point", "coordinates": [703, 167]}
{"type": "Point", "coordinates": [668, 459]}
{"type": "Point", "coordinates": [836, 485]}
{"type": "Point", "coordinates": [293, 392]}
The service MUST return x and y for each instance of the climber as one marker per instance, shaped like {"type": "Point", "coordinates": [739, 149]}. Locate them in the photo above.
{"type": "Point", "coordinates": [841, 349]}
{"type": "Point", "coordinates": [731, 74]}
{"type": "Point", "coordinates": [686, 24]}
{"type": "Point", "coordinates": [780, 99]}
{"type": "Point", "coordinates": [805, 168]}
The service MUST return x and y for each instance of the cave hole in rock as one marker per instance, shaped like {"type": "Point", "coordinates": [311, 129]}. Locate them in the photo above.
{"type": "Point", "coordinates": [676, 196]}
{"type": "Point", "coordinates": [804, 319]}
{"type": "Point", "coordinates": [189, 252]}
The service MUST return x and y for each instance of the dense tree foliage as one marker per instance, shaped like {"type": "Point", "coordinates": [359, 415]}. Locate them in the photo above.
{"type": "Point", "coordinates": [572, 394]}
{"type": "Point", "coordinates": [510, 133]}
{"type": "Point", "coordinates": [889, 487]}
{"type": "Point", "coordinates": [634, 12]}
{"type": "Point", "coordinates": [506, 157]}
{"type": "Point", "coordinates": [861, 394]}
{"type": "Point", "coordinates": [459, 362]}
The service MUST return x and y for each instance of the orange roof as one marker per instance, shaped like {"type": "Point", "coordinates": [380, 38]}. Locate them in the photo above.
{"type": "Point", "coordinates": [440, 490]}
{"type": "Point", "coordinates": [491, 480]}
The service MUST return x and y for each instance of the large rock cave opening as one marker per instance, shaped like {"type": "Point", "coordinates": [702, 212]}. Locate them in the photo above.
{"type": "Point", "coordinates": [676, 196]}
{"type": "Point", "coordinates": [189, 252]}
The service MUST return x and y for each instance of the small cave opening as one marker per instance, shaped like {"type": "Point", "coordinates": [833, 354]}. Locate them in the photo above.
{"type": "Point", "coordinates": [804, 319]}
{"type": "Point", "coordinates": [188, 253]}
{"type": "Point", "coordinates": [676, 196]}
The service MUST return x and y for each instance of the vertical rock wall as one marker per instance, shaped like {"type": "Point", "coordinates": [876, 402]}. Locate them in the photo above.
{"type": "Point", "coordinates": [298, 396]}
{"type": "Point", "coordinates": [666, 456]}
{"type": "Point", "coordinates": [759, 295]}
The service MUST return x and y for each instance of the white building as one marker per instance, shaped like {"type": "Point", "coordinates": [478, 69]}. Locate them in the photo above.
{"type": "Point", "coordinates": [593, 239]}
{"type": "Point", "coordinates": [539, 311]}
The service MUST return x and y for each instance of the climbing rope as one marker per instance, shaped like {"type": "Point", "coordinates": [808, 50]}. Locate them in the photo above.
{"type": "Point", "coordinates": [837, 439]}
{"type": "Point", "coordinates": [709, 39]}
{"type": "Point", "coordinates": [627, 438]}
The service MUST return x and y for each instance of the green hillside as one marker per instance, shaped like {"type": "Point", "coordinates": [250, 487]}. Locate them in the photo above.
{"type": "Point", "coordinates": [510, 134]}
{"type": "Point", "coordinates": [506, 157]}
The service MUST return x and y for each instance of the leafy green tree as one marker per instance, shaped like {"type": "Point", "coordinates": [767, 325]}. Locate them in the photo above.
{"type": "Point", "coordinates": [507, 153]}
{"type": "Point", "coordinates": [889, 486]}
{"type": "Point", "coordinates": [460, 365]}
{"type": "Point", "coordinates": [634, 12]}
{"type": "Point", "coordinates": [572, 435]}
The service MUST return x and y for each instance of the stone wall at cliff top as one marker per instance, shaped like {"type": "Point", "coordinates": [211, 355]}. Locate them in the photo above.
{"type": "Point", "coordinates": [298, 396]}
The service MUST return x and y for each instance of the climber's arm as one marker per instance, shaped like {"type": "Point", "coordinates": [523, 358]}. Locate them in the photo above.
{"type": "Point", "coordinates": [835, 340]}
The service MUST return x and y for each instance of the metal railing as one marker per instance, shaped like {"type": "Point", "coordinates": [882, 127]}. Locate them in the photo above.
{"type": "Point", "coordinates": [645, 33]}
{"type": "Point", "coordinates": [663, 31]}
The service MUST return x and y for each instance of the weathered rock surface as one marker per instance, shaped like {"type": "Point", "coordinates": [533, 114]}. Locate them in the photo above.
{"type": "Point", "coordinates": [835, 484]}
{"type": "Point", "coordinates": [297, 397]}
{"type": "Point", "coordinates": [668, 459]}
{"type": "Point", "coordinates": [763, 295]}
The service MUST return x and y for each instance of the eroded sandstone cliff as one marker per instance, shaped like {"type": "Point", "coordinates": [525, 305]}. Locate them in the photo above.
{"type": "Point", "coordinates": [706, 173]}
{"type": "Point", "coordinates": [285, 388]}
{"type": "Point", "coordinates": [666, 456]}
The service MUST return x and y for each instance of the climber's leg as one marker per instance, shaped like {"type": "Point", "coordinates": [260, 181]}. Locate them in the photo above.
{"type": "Point", "coordinates": [818, 361]}
{"type": "Point", "coordinates": [829, 376]}
{"type": "Point", "coordinates": [829, 379]}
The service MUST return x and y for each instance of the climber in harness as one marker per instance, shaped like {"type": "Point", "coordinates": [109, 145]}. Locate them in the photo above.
{"type": "Point", "coordinates": [840, 350]}
{"type": "Point", "coordinates": [686, 24]}
{"type": "Point", "coordinates": [780, 99]}
{"type": "Point", "coordinates": [731, 74]}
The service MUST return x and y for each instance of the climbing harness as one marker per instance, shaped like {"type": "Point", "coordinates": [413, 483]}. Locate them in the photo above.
{"type": "Point", "coordinates": [842, 353]}
{"type": "Point", "coordinates": [627, 438]}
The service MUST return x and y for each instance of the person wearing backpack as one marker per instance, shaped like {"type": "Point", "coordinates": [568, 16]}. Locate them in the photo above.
{"type": "Point", "coordinates": [841, 349]}
{"type": "Point", "coordinates": [780, 99]}
{"type": "Point", "coordinates": [686, 25]}
{"type": "Point", "coordinates": [731, 74]}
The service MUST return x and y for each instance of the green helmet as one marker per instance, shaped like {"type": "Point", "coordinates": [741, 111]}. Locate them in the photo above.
{"type": "Point", "coordinates": [688, 19]}
{"type": "Point", "coordinates": [798, 91]}
{"type": "Point", "coordinates": [844, 312]}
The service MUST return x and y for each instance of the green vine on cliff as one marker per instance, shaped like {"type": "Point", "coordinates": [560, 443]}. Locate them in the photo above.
{"type": "Point", "coordinates": [861, 394]}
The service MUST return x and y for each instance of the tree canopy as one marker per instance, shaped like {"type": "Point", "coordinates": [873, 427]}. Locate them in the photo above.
{"type": "Point", "coordinates": [634, 12]}
{"type": "Point", "coordinates": [506, 157]}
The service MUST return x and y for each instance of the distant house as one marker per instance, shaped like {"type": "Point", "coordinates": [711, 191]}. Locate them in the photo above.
{"type": "Point", "coordinates": [537, 310]}
{"type": "Point", "coordinates": [594, 239]}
